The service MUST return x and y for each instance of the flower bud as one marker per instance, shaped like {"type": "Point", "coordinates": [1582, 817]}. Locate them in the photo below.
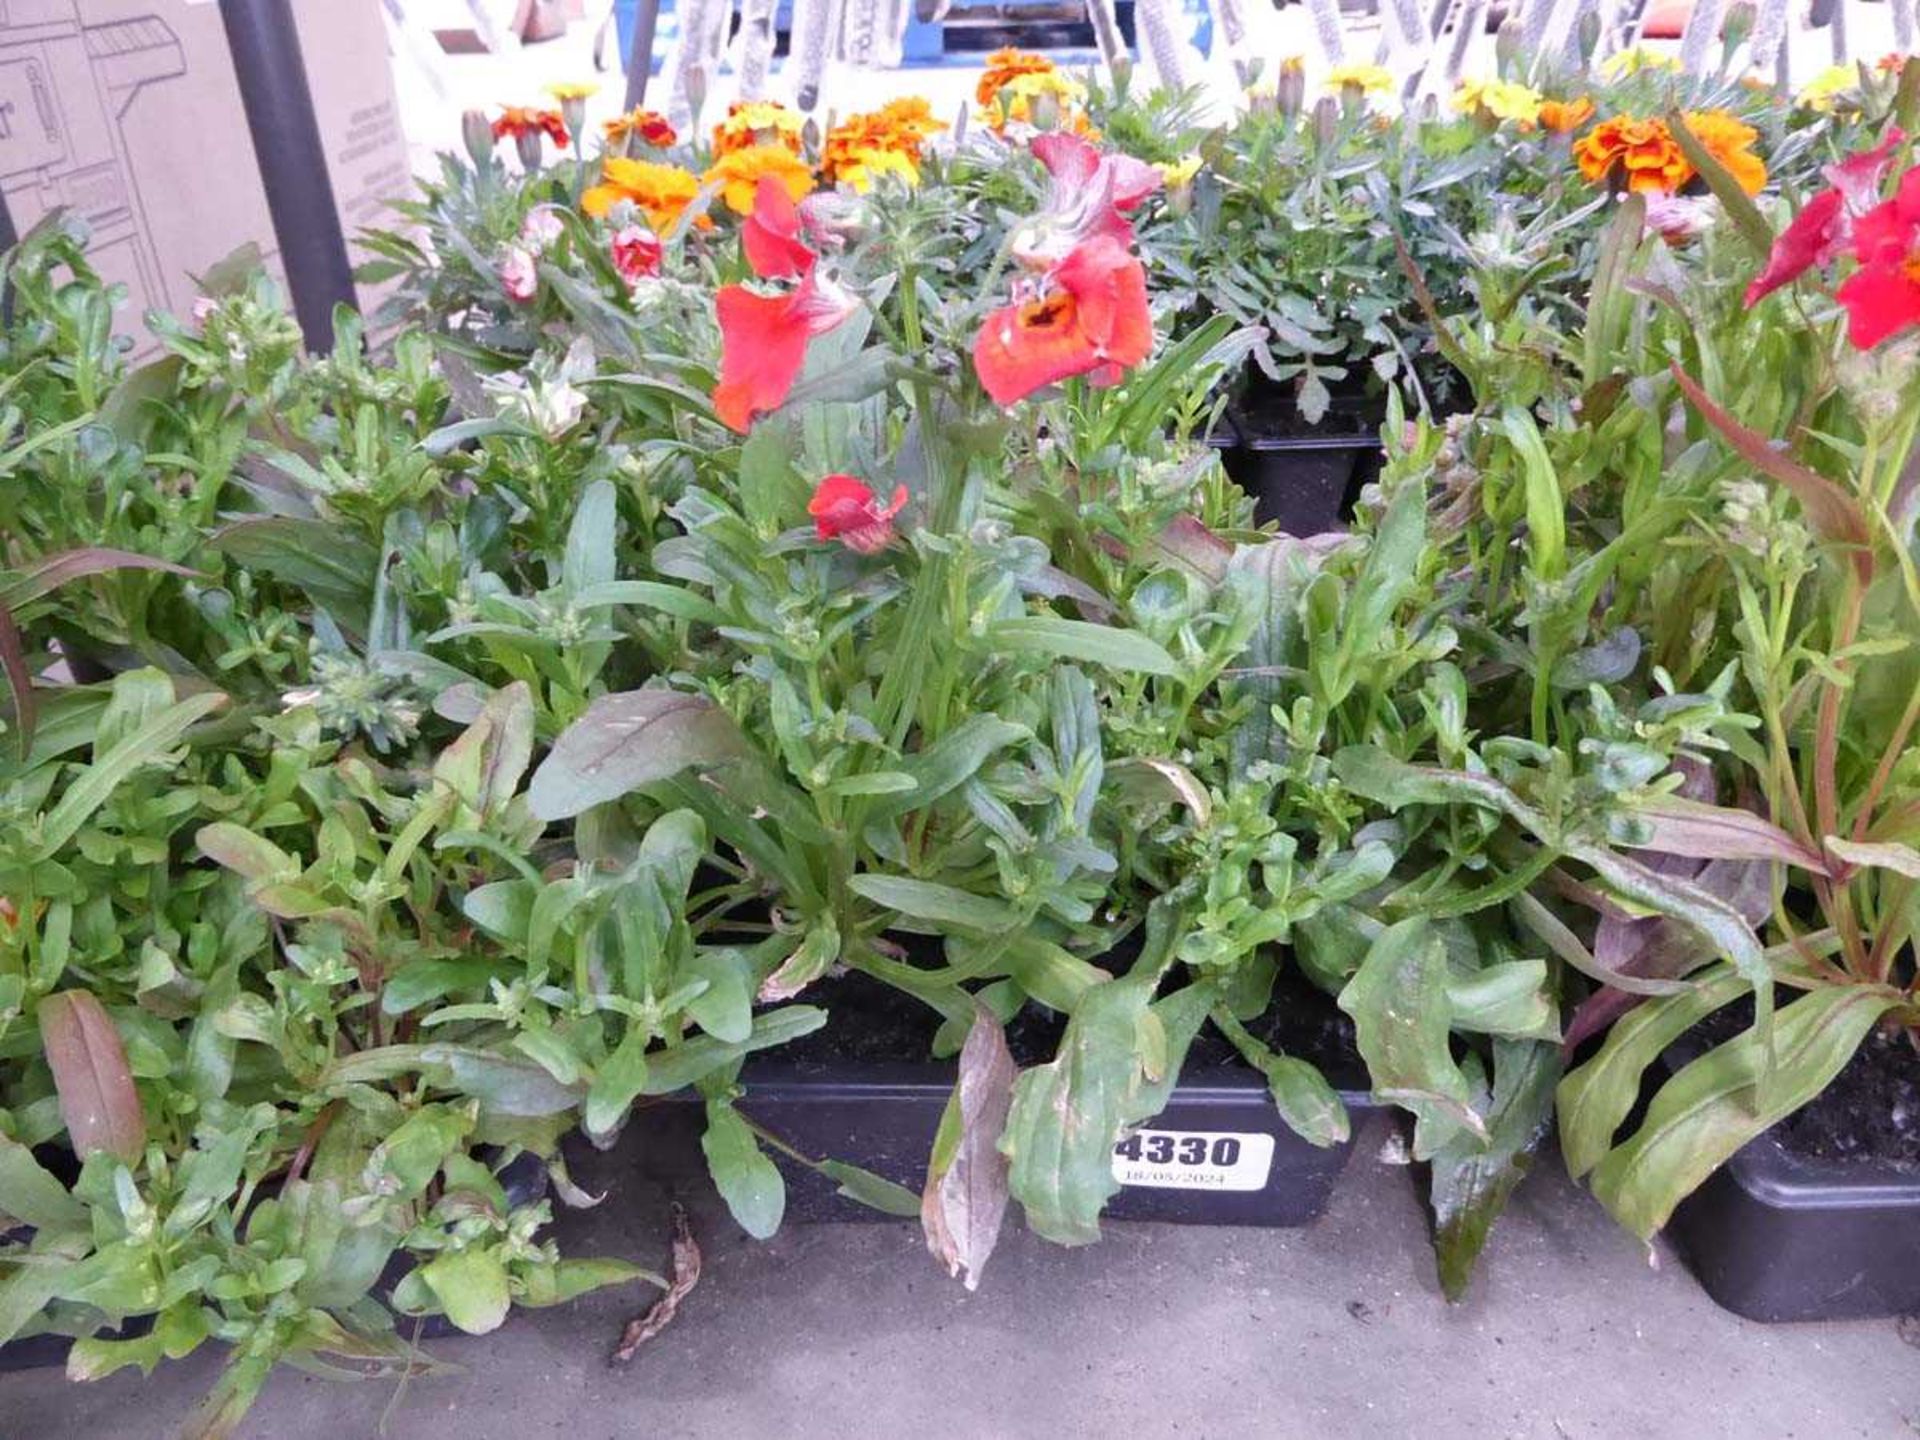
{"type": "Point", "coordinates": [1290, 89]}
{"type": "Point", "coordinates": [1738, 25]}
{"type": "Point", "coordinates": [1506, 44]}
{"type": "Point", "coordinates": [476, 131]}
{"type": "Point", "coordinates": [1326, 119]}
{"type": "Point", "coordinates": [1586, 35]}
{"type": "Point", "coordinates": [527, 143]}
{"type": "Point", "coordinates": [573, 110]}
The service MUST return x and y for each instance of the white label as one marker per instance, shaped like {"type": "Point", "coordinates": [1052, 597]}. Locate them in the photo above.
{"type": "Point", "coordinates": [1193, 1160]}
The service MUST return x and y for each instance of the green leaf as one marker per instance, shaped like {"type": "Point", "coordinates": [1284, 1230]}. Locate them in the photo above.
{"type": "Point", "coordinates": [1507, 997]}
{"type": "Point", "coordinates": [89, 791]}
{"type": "Point", "coordinates": [652, 595]}
{"type": "Point", "coordinates": [1080, 640]}
{"type": "Point", "coordinates": [235, 848]}
{"type": "Point", "coordinates": [1883, 855]}
{"type": "Point", "coordinates": [1067, 1115]}
{"type": "Point", "coordinates": [616, 1084]}
{"type": "Point", "coordinates": [870, 1189]}
{"type": "Point", "coordinates": [1733, 198]}
{"type": "Point", "coordinates": [503, 1084]}
{"type": "Point", "coordinates": [695, 1059]}
{"type": "Point", "coordinates": [1305, 1100]}
{"type": "Point", "coordinates": [1403, 1019]}
{"type": "Point", "coordinates": [1546, 510]}
{"type": "Point", "coordinates": [938, 904]}
{"type": "Point", "coordinates": [31, 1195]}
{"type": "Point", "coordinates": [1717, 1104]}
{"type": "Point", "coordinates": [1470, 1181]}
{"type": "Point", "coordinates": [627, 740]}
{"type": "Point", "coordinates": [590, 559]}
{"type": "Point", "coordinates": [724, 1009]}
{"type": "Point", "coordinates": [949, 762]}
{"type": "Point", "coordinates": [328, 563]}
{"type": "Point", "coordinates": [748, 1181]}
{"type": "Point", "coordinates": [471, 1286]}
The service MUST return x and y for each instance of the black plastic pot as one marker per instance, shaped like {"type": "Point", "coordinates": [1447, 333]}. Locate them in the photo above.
{"type": "Point", "coordinates": [1229, 1159]}
{"type": "Point", "coordinates": [1776, 1236]}
{"type": "Point", "coordinates": [1304, 484]}
{"type": "Point", "coordinates": [525, 1181]}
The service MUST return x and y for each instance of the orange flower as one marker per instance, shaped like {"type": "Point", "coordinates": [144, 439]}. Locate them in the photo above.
{"type": "Point", "coordinates": [752, 123]}
{"type": "Point", "coordinates": [1564, 116]}
{"type": "Point", "coordinates": [1086, 316]}
{"type": "Point", "coordinates": [899, 128]}
{"type": "Point", "coordinates": [1005, 65]}
{"type": "Point", "coordinates": [660, 192]}
{"type": "Point", "coordinates": [1642, 154]}
{"type": "Point", "coordinates": [738, 174]}
{"type": "Point", "coordinates": [1728, 139]}
{"type": "Point", "coordinates": [649, 127]}
{"type": "Point", "coordinates": [522, 120]}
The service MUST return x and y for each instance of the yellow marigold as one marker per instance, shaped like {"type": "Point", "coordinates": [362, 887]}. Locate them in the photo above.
{"type": "Point", "coordinates": [1562, 117]}
{"type": "Point", "coordinates": [660, 192]}
{"type": "Point", "coordinates": [1499, 100]}
{"type": "Point", "coordinates": [1632, 61]}
{"type": "Point", "coordinates": [1368, 79]}
{"type": "Point", "coordinates": [1176, 173]}
{"type": "Point", "coordinates": [1824, 90]}
{"type": "Point", "coordinates": [738, 174]}
{"type": "Point", "coordinates": [865, 167]}
{"type": "Point", "coordinates": [1641, 153]}
{"type": "Point", "coordinates": [1729, 140]}
{"type": "Point", "coordinates": [900, 127]}
{"type": "Point", "coordinates": [758, 122]}
{"type": "Point", "coordinates": [573, 89]}
{"type": "Point", "coordinates": [1004, 65]}
{"type": "Point", "coordinates": [1025, 97]}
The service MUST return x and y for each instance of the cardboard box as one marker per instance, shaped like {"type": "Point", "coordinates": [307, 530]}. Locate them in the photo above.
{"type": "Point", "coordinates": [127, 112]}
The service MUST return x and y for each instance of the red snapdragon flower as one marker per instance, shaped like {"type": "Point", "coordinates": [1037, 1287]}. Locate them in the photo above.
{"type": "Point", "coordinates": [1086, 316]}
{"type": "Point", "coordinates": [636, 253]}
{"type": "Point", "coordinates": [1088, 194]}
{"type": "Point", "coordinates": [846, 509]}
{"type": "Point", "coordinates": [1882, 297]}
{"type": "Point", "coordinates": [1822, 231]}
{"type": "Point", "coordinates": [763, 338]}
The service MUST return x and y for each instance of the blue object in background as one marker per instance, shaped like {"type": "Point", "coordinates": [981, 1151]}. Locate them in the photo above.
{"type": "Point", "coordinates": [924, 44]}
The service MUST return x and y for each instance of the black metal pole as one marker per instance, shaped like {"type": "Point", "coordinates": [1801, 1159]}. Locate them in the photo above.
{"type": "Point", "coordinates": [646, 19]}
{"type": "Point", "coordinates": [293, 161]}
{"type": "Point", "coordinates": [9, 237]}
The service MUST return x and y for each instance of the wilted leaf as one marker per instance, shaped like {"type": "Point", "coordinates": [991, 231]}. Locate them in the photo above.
{"type": "Point", "coordinates": [1164, 781]}
{"type": "Point", "coordinates": [966, 1192]}
{"type": "Point", "coordinates": [1883, 855]}
{"type": "Point", "coordinates": [89, 1064]}
{"type": "Point", "coordinates": [628, 740]}
{"type": "Point", "coordinates": [686, 1275]}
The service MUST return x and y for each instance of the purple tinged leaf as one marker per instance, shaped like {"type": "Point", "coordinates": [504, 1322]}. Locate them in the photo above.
{"type": "Point", "coordinates": [1678, 826]}
{"type": "Point", "coordinates": [52, 571]}
{"type": "Point", "coordinates": [90, 1074]}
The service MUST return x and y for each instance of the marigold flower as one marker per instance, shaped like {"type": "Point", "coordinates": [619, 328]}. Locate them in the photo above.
{"type": "Point", "coordinates": [900, 128]}
{"type": "Point", "coordinates": [574, 89]}
{"type": "Point", "coordinates": [1044, 99]}
{"type": "Point", "coordinates": [649, 127]}
{"type": "Point", "coordinates": [1003, 66]}
{"type": "Point", "coordinates": [1498, 100]}
{"type": "Point", "coordinates": [845, 508]}
{"type": "Point", "coordinates": [521, 121]}
{"type": "Point", "coordinates": [1086, 316]}
{"type": "Point", "coordinates": [636, 253]}
{"type": "Point", "coordinates": [1882, 297]}
{"type": "Point", "coordinates": [1643, 153]}
{"type": "Point", "coordinates": [1366, 79]}
{"type": "Point", "coordinates": [1728, 139]}
{"type": "Point", "coordinates": [660, 192]}
{"type": "Point", "coordinates": [869, 164]}
{"type": "Point", "coordinates": [1823, 230]}
{"type": "Point", "coordinates": [754, 123]}
{"type": "Point", "coordinates": [738, 173]}
{"type": "Point", "coordinates": [1562, 117]}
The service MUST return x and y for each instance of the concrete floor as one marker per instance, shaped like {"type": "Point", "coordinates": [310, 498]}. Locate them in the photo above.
{"type": "Point", "coordinates": [1332, 1332]}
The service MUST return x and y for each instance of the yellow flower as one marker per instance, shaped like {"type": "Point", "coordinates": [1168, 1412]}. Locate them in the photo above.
{"type": "Point", "coordinates": [738, 174]}
{"type": "Point", "coordinates": [869, 163]}
{"type": "Point", "coordinates": [1633, 61]}
{"type": "Point", "coordinates": [758, 122]}
{"type": "Point", "coordinates": [1028, 99]}
{"type": "Point", "coordinates": [660, 192]}
{"type": "Point", "coordinates": [1178, 173]}
{"type": "Point", "coordinates": [1824, 90]}
{"type": "Point", "coordinates": [1003, 66]}
{"type": "Point", "coordinates": [1500, 99]}
{"type": "Point", "coordinates": [573, 89]}
{"type": "Point", "coordinates": [1367, 79]}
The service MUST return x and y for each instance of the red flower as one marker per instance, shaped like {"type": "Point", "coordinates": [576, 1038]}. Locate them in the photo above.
{"type": "Point", "coordinates": [1882, 297]}
{"type": "Point", "coordinates": [636, 253]}
{"type": "Point", "coordinates": [846, 509]}
{"type": "Point", "coordinates": [519, 120]}
{"type": "Point", "coordinates": [771, 234]}
{"type": "Point", "coordinates": [1820, 233]}
{"type": "Point", "coordinates": [1088, 194]}
{"type": "Point", "coordinates": [1086, 316]}
{"type": "Point", "coordinates": [763, 344]}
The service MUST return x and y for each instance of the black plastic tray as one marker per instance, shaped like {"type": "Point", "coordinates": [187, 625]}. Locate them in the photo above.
{"type": "Point", "coordinates": [1306, 484]}
{"type": "Point", "coordinates": [883, 1118]}
{"type": "Point", "coordinates": [1775, 1236]}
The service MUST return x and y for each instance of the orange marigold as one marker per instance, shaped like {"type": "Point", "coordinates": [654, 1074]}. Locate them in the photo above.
{"type": "Point", "coordinates": [738, 174]}
{"type": "Point", "coordinates": [1564, 116]}
{"type": "Point", "coordinates": [751, 123]}
{"type": "Point", "coordinates": [899, 128]}
{"type": "Point", "coordinates": [649, 127]}
{"type": "Point", "coordinates": [1729, 140]}
{"type": "Point", "coordinates": [1642, 154]}
{"type": "Point", "coordinates": [660, 192]}
{"type": "Point", "coordinates": [1005, 65]}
